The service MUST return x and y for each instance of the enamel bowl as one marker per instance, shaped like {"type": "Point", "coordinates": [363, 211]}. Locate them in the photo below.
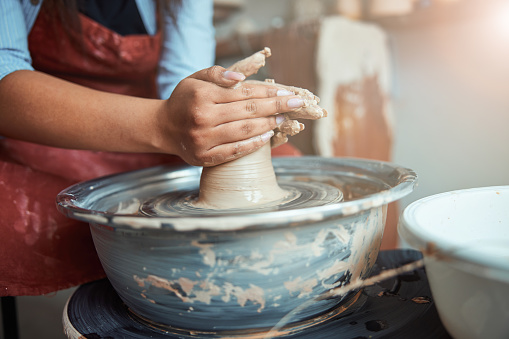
{"type": "Point", "coordinates": [238, 273]}
{"type": "Point", "coordinates": [464, 236]}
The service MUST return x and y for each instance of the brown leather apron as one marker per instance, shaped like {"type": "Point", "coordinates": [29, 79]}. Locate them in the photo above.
{"type": "Point", "coordinates": [42, 251]}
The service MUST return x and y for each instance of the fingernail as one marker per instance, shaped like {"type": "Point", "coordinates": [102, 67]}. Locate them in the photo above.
{"type": "Point", "coordinates": [295, 102]}
{"type": "Point", "coordinates": [233, 76]}
{"type": "Point", "coordinates": [266, 136]}
{"type": "Point", "coordinates": [280, 118]}
{"type": "Point", "coordinates": [283, 92]}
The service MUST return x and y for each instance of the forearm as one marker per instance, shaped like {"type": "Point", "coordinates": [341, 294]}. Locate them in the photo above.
{"type": "Point", "coordinates": [39, 108]}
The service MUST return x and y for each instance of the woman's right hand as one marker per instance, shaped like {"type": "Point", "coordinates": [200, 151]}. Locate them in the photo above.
{"type": "Point", "coordinates": [213, 117]}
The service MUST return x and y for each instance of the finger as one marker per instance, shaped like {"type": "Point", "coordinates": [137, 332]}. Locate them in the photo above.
{"type": "Point", "coordinates": [245, 91]}
{"type": "Point", "coordinates": [219, 76]}
{"type": "Point", "coordinates": [257, 108]}
{"type": "Point", "coordinates": [228, 152]}
{"type": "Point", "coordinates": [244, 129]}
{"type": "Point", "coordinates": [302, 92]}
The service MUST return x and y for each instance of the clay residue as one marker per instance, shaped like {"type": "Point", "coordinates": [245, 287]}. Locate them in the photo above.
{"type": "Point", "coordinates": [253, 293]}
{"type": "Point", "coordinates": [256, 262]}
{"type": "Point", "coordinates": [206, 292]}
{"type": "Point", "coordinates": [209, 256]}
{"type": "Point", "coordinates": [290, 242]}
{"type": "Point", "coordinates": [316, 246]}
{"type": "Point", "coordinates": [366, 243]}
{"type": "Point", "coordinates": [190, 291]}
{"type": "Point", "coordinates": [303, 287]}
{"type": "Point", "coordinates": [361, 237]}
{"type": "Point", "coordinates": [152, 301]}
{"type": "Point", "coordinates": [336, 268]}
{"type": "Point", "coordinates": [309, 111]}
{"type": "Point", "coordinates": [265, 264]}
{"type": "Point", "coordinates": [131, 206]}
{"type": "Point", "coordinates": [186, 284]}
{"type": "Point", "coordinates": [251, 64]}
{"type": "Point", "coordinates": [161, 283]}
{"type": "Point", "coordinates": [291, 127]}
{"type": "Point", "coordinates": [281, 133]}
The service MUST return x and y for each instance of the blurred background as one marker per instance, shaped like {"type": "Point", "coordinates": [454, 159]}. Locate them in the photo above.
{"type": "Point", "coordinates": [422, 83]}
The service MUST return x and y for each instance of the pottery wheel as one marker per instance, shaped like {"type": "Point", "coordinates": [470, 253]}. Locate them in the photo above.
{"type": "Point", "coordinates": [400, 307]}
{"type": "Point", "coordinates": [300, 195]}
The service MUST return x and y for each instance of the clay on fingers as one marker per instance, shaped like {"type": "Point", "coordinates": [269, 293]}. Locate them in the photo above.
{"type": "Point", "coordinates": [290, 127]}
{"type": "Point", "coordinates": [287, 127]}
{"type": "Point", "coordinates": [302, 92]}
{"type": "Point", "coordinates": [278, 139]}
{"type": "Point", "coordinates": [251, 64]}
{"type": "Point", "coordinates": [310, 110]}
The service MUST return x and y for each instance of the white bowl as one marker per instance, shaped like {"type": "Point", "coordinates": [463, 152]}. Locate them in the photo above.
{"type": "Point", "coordinates": [464, 236]}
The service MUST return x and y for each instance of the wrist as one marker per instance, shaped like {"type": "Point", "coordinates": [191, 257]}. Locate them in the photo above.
{"type": "Point", "coordinates": [155, 137]}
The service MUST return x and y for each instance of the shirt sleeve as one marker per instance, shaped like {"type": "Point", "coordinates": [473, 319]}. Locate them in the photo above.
{"type": "Point", "coordinates": [14, 54]}
{"type": "Point", "coordinates": [188, 46]}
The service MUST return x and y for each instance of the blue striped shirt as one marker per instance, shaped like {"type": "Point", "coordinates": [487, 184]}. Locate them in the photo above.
{"type": "Point", "coordinates": [189, 46]}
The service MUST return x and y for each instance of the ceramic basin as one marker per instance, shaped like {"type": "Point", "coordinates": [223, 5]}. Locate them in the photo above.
{"type": "Point", "coordinates": [236, 272]}
{"type": "Point", "coordinates": [464, 236]}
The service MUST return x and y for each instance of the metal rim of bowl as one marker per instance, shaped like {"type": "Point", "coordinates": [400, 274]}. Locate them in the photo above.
{"type": "Point", "coordinates": [404, 182]}
{"type": "Point", "coordinates": [470, 261]}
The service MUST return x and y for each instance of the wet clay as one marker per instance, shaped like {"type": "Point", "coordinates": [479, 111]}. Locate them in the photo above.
{"type": "Point", "coordinates": [241, 183]}
{"type": "Point", "coordinates": [251, 64]}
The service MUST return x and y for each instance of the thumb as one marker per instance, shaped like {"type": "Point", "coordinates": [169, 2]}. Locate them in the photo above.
{"type": "Point", "coordinates": [219, 76]}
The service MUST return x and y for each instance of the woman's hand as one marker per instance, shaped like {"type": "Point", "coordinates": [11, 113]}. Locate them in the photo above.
{"type": "Point", "coordinates": [213, 117]}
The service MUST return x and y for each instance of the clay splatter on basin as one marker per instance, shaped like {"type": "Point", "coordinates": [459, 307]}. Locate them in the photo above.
{"type": "Point", "coordinates": [236, 270]}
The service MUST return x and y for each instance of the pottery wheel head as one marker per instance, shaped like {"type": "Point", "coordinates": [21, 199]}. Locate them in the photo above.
{"type": "Point", "coordinates": [302, 194]}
